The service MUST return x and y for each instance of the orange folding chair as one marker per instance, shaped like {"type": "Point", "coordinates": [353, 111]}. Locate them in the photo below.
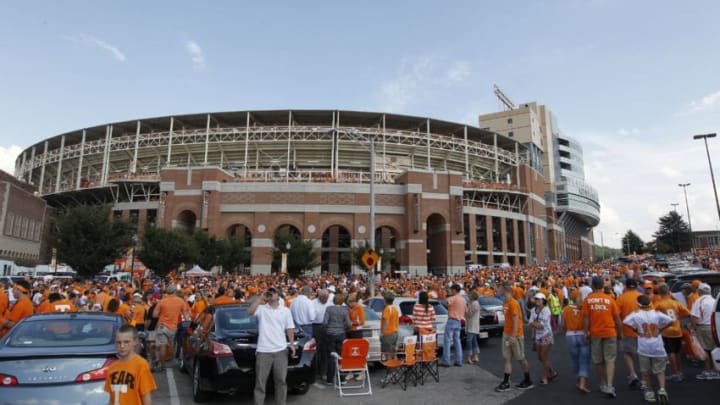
{"type": "Point", "coordinates": [402, 368]}
{"type": "Point", "coordinates": [428, 361]}
{"type": "Point", "coordinates": [352, 360]}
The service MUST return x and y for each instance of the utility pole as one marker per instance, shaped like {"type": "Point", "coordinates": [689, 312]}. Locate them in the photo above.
{"type": "Point", "coordinates": [692, 241]}
{"type": "Point", "coordinates": [712, 176]}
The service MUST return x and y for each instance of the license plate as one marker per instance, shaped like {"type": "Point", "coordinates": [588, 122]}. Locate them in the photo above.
{"type": "Point", "coordinates": [500, 316]}
{"type": "Point", "coordinates": [367, 333]}
{"type": "Point", "coordinates": [483, 335]}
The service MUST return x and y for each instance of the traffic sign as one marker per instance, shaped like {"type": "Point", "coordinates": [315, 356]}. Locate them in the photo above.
{"type": "Point", "coordinates": [370, 259]}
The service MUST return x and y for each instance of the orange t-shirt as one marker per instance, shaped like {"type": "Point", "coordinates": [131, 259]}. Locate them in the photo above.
{"type": "Point", "coordinates": [572, 318]}
{"type": "Point", "coordinates": [139, 314]}
{"type": "Point", "coordinates": [627, 304]}
{"type": "Point", "coordinates": [391, 318]}
{"type": "Point", "coordinates": [21, 310]}
{"type": "Point", "coordinates": [674, 310]}
{"type": "Point", "coordinates": [692, 298]}
{"type": "Point", "coordinates": [128, 381]}
{"type": "Point", "coordinates": [224, 300]}
{"type": "Point", "coordinates": [169, 309]}
{"type": "Point", "coordinates": [512, 308]}
{"type": "Point", "coordinates": [63, 305]}
{"type": "Point", "coordinates": [4, 304]}
{"type": "Point", "coordinates": [600, 309]}
{"type": "Point", "coordinates": [198, 308]}
{"type": "Point", "coordinates": [357, 316]}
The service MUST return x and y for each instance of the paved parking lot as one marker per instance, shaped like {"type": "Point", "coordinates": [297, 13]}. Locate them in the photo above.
{"type": "Point", "coordinates": [457, 385]}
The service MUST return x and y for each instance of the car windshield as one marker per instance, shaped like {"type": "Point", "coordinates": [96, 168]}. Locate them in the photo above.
{"type": "Point", "coordinates": [63, 333]}
{"type": "Point", "coordinates": [235, 320]}
{"type": "Point", "coordinates": [486, 301]}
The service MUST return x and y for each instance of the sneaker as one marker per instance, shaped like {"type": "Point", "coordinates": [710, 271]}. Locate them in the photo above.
{"type": "Point", "coordinates": [663, 397]}
{"type": "Point", "coordinates": [349, 377]}
{"type": "Point", "coordinates": [643, 385]}
{"type": "Point", "coordinates": [610, 391]}
{"type": "Point", "coordinates": [360, 377]}
{"type": "Point", "coordinates": [503, 387]}
{"type": "Point", "coordinates": [633, 382]}
{"type": "Point", "coordinates": [649, 396]}
{"type": "Point", "coordinates": [713, 375]}
{"type": "Point", "coordinates": [525, 385]}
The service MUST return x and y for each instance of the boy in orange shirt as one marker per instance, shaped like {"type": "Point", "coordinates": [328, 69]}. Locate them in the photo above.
{"type": "Point", "coordinates": [129, 380]}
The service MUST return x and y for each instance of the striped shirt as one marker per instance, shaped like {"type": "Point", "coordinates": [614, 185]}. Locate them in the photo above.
{"type": "Point", "coordinates": [423, 318]}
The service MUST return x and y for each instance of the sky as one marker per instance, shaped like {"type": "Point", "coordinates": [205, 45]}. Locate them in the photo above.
{"type": "Point", "coordinates": [631, 80]}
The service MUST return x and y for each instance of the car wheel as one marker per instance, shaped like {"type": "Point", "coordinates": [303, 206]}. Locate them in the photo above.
{"type": "Point", "coordinates": [300, 389]}
{"type": "Point", "coordinates": [181, 361]}
{"type": "Point", "coordinates": [198, 394]}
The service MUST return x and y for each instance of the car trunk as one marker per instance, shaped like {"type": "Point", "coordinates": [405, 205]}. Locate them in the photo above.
{"type": "Point", "coordinates": [50, 369]}
{"type": "Point", "coordinates": [244, 345]}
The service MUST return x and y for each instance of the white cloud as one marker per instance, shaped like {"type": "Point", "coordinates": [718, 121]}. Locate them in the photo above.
{"type": "Point", "coordinates": [458, 71]}
{"type": "Point", "coordinates": [623, 131]}
{"type": "Point", "coordinates": [637, 178]}
{"type": "Point", "coordinates": [99, 43]}
{"type": "Point", "coordinates": [419, 77]}
{"type": "Point", "coordinates": [196, 53]}
{"type": "Point", "coordinates": [7, 158]}
{"type": "Point", "coordinates": [710, 102]}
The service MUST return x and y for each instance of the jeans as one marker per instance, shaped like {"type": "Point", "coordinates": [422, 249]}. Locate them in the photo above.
{"type": "Point", "coordinates": [452, 336]}
{"type": "Point", "coordinates": [471, 344]}
{"type": "Point", "coordinates": [579, 349]}
{"type": "Point", "coordinates": [335, 343]}
{"type": "Point", "coordinates": [307, 330]}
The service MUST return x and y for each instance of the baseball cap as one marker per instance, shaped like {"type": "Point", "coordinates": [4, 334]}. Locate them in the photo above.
{"type": "Point", "coordinates": [596, 282]}
{"type": "Point", "coordinates": [643, 300]}
{"type": "Point", "coordinates": [631, 283]}
{"type": "Point", "coordinates": [540, 296]}
{"type": "Point", "coordinates": [704, 287]}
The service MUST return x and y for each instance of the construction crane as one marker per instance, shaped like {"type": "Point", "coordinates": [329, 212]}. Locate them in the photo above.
{"type": "Point", "coordinates": [509, 105]}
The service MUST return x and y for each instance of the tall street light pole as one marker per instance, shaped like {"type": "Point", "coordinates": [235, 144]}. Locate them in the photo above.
{"type": "Point", "coordinates": [692, 242]}
{"type": "Point", "coordinates": [712, 176]}
{"type": "Point", "coordinates": [372, 209]}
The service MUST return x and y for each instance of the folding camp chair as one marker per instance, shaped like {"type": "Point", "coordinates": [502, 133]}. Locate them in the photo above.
{"type": "Point", "coordinates": [403, 368]}
{"type": "Point", "coordinates": [428, 361]}
{"type": "Point", "coordinates": [353, 360]}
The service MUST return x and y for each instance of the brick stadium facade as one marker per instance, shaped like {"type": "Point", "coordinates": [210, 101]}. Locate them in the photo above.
{"type": "Point", "coordinates": [22, 221]}
{"type": "Point", "coordinates": [447, 194]}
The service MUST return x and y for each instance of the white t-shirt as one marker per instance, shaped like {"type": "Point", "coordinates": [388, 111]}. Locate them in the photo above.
{"type": "Point", "coordinates": [320, 308]}
{"type": "Point", "coordinates": [303, 310]}
{"type": "Point", "coordinates": [585, 291]}
{"type": "Point", "coordinates": [647, 324]}
{"type": "Point", "coordinates": [544, 318]}
{"type": "Point", "coordinates": [272, 325]}
{"type": "Point", "coordinates": [703, 309]}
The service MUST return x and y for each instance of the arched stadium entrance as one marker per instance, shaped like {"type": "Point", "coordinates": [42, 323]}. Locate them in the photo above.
{"type": "Point", "coordinates": [186, 221]}
{"type": "Point", "coordinates": [385, 240]}
{"type": "Point", "coordinates": [336, 250]}
{"type": "Point", "coordinates": [244, 235]}
{"type": "Point", "coordinates": [437, 241]}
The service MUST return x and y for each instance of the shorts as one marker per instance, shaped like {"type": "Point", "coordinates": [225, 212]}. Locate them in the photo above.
{"type": "Point", "coordinates": [164, 336]}
{"type": "Point", "coordinates": [628, 344]}
{"type": "Point", "coordinates": [672, 344]}
{"type": "Point", "coordinates": [547, 340]}
{"type": "Point", "coordinates": [654, 365]}
{"type": "Point", "coordinates": [704, 335]}
{"type": "Point", "coordinates": [388, 343]}
{"type": "Point", "coordinates": [513, 351]}
{"type": "Point", "coordinates": [151, 336]}
{"type": "Point", "coordinates": [603, 350]}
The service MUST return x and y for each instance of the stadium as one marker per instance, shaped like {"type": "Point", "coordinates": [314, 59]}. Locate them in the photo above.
{"type": "Point", "coordinates": [446, 194]}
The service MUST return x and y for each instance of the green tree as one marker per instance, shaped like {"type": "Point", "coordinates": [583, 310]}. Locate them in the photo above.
{"type": "Point", "coordinates": [301, 256]}
{"type": "Point", "coordinates": [631, 243]}
{"type": "Point", "coordinates": [233, 253]}
{"type": "Point", "coordinates": [88, 239]}
{"type": "Point", "coordinates": [673, 235]}
{"type": "Point", "coordinates": [601, 253]}
{"type": "Point", "coordinates": [164, 250]}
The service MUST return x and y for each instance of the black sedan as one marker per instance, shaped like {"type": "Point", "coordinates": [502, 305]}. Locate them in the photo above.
{"type": "Point", "coordinates": [220, 354]}
{"type": "Point", "coordinates": [58, 358]}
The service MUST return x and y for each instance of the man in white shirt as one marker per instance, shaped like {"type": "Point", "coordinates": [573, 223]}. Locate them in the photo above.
{"type": "Point", "coordinates": [701, 313]}
{"type": "Point", "coordinates": [274, 323]}
{"type": "Point", "coordinates": [303, 311]}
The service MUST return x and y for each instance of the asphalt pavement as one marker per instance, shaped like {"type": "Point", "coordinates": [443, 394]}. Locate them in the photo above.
{"type": "Point", "coordinates": [467, 384]}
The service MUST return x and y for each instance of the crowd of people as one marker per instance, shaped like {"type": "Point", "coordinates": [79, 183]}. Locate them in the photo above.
{"type": "Point", "coordinates": [601, 309]}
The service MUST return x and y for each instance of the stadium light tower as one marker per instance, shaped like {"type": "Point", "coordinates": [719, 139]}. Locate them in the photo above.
{"type": "Point", "coordinates": [685, 186]}
{"type": "Point", "coordinates": [705, 137]}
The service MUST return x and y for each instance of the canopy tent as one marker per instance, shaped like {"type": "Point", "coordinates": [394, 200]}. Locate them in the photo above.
{"type": "Point", "coordinates": [196, 271]}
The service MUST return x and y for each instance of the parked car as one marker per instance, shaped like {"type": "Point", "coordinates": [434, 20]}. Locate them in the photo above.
{"type": "Point", "coordinates": [492, 317]}
{"type": "Point", "coordinates": [58, 358]}
{"type": "Point", "coordinates": [706, 276]}
{"type": "Point", "coordinates": [405, 306]}
{"type": "Point", "coordinates": [220, 354]}
{"type": "Point", "coordinates": [371, 332]}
